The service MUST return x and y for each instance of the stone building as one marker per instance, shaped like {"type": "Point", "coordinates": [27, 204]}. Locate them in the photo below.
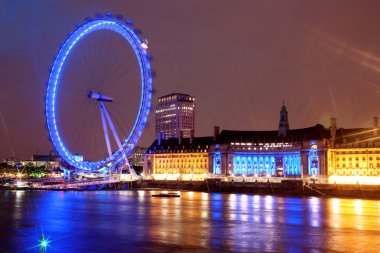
{"type": "Point", "coordinates": [354, 156]}
{"type": "Point", "coordinates": [341, 155]}
{"type": "Point", "coordinates": [178, 158]}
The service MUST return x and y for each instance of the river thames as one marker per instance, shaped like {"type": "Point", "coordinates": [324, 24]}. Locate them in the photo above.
{"type": "Point", "coordinates": [134, 221]}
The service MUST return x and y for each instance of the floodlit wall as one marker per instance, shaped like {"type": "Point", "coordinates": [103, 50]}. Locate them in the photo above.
{"type": "Point", "coordinates": [354, 165]}
{"type": "Point", "coordinates": [174, 166]}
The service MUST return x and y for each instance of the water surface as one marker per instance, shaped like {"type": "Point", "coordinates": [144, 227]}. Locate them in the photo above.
{"type": "Point", "coordinates": [134, 221]}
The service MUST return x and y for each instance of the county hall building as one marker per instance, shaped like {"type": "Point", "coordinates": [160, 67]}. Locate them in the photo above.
{"type": "Point", "coordinates": [339, 155]}
{"type": "Point", "coordinates": [282, 152]}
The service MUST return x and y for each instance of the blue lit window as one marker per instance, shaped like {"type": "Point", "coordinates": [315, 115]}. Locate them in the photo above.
{"type": "Point", "coordinates": [217, 164]}
{"type": "Point", "coordinates": [313, 163]}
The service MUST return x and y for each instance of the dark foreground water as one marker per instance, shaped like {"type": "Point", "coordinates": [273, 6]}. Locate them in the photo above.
{"type": "Point", "coordinates": [133, 221]}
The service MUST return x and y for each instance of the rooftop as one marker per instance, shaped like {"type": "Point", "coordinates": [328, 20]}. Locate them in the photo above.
{"type": "Point", "coordinates": [316, 132]}
{"type": "Point", "coordinates": [357, 135]}
{"type": "Point", "coordinates": [199, 143]}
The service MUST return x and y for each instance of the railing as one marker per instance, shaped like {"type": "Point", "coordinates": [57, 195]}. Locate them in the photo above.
{"type": "Point", "coordinates": [234, 178]}
{"type": "Point", "coordinates": [314, 189]}
{"type": "Point", "coordinates": [76, 185]}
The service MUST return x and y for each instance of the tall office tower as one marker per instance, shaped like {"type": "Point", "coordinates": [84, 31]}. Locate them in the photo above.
{"type": "Point", "coordinates": [175, 116]}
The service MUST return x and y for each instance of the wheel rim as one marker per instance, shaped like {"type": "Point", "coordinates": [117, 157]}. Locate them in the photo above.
{"type": "Point", "coordinates": [127, 32]}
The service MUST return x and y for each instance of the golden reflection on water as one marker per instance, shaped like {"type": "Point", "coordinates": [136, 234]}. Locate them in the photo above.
{"type": "Point", "coordinates": [357, 221]}
{"type": "Point", "coordinates": [354, 214]}
{"type": "Point", "coordinates": [251, 218]}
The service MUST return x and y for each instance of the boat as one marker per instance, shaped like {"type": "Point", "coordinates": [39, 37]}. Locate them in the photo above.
{"type": "Point", "coordinates": [167, 194]}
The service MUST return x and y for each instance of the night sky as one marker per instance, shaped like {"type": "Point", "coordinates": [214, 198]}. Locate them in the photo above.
{"type": "Point", "coordinates": [240, 59]}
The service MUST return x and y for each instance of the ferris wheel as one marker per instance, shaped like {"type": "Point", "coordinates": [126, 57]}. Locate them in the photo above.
{"type": "Point", "coordinates": [91, 104]}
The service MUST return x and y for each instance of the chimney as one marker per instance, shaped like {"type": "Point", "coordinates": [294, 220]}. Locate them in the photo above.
{"type": "Point", "coordinates": [375, 125]}
{"type": "Point", "coordinates": [216, 132]}
{"type": "Point", "coordinates": [191, 136]}
{"type": "Point", "coordinates": [332, 130]}
{"type": "Point", "coordinates": [180, 137]}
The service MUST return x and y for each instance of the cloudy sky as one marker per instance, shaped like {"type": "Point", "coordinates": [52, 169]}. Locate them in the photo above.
{"type": "Point", "coordinates": [240, 59]}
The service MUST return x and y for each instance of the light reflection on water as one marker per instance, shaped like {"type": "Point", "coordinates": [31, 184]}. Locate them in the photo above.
{"type": "Point", "coordinates": [134, 221]}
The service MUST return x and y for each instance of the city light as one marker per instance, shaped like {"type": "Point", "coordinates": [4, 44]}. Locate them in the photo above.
{"type": "Point", "coordinates": [354, 180]}
{"type": "Point", "coordinates": [44, 243]}
{"type": "Point", "coordinates": [93, 25]}
{"type": "Point", "coordinates": [144, 45]}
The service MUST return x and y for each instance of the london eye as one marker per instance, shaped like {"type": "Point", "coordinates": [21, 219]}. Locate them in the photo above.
{"type": "Point", "coordinates": [99, 94]}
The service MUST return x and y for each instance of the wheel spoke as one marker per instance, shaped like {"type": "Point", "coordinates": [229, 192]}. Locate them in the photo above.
{"type": "Point", "coordinates": [99, 73]}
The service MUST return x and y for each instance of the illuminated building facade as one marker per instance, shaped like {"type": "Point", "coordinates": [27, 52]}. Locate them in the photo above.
{"type": "Point", "coordinates": [283, 153]}
{"type": "Point", "coordinates": [301, 152]}
{"type": "Point", "coordinates": [175, 114]}
{"type": "Point", "coordinates": [178, 158]}
{"type": "Point", "coordinates": [50, 161]}
{"type": "Point", "coordinates": [136, 159]}
{"type": "Point", "coordinates": [354, 156]}
{"type": "Point", "coordinates": [339, 155]}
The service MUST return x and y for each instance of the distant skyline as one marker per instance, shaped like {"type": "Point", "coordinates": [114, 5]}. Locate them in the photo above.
{"type": "Point", "coordinates": [239, 59]}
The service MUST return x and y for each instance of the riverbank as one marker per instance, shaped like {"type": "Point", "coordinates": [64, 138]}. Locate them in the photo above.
{"type": "Point", "coordinates": [297, 188]}
{"type": "Point", "coordinates": [284, 188]}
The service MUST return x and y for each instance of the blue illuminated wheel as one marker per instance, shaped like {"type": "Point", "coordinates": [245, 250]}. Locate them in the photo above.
{"type": "Point", "coordinates": [115, 158]}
